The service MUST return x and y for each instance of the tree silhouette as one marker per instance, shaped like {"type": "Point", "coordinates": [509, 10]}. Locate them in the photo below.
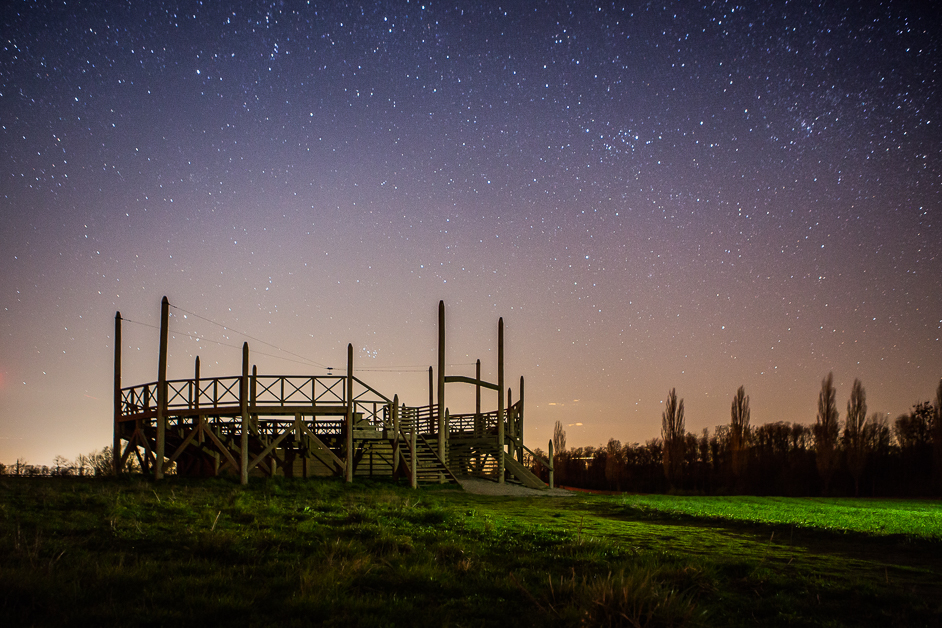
{"type": "Point", "coordinates": [854, 433]}
{"type": "Point", "coordinates": [826, 430]}
{"type": "Point", "coordinates": [673, 434]}
{"type": "Point", "coordinates": [739, 430]}
{"type": "Point", "coordinates": [913, 430]}
{"type": "Point", "coordinates": [559, 438]}
{"type": "Point", "coordinates": [937, 436]}
{"type": "Point", "coordinates": [559, 453]}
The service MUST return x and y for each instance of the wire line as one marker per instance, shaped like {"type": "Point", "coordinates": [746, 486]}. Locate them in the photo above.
{"type": "Point", "coordinates": [241, 333]}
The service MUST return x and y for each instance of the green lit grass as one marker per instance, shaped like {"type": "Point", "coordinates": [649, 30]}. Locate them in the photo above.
{"type": "Point", "coordinates": [318, 552]}
{"type": "Point", "coordinates": [919, 519]}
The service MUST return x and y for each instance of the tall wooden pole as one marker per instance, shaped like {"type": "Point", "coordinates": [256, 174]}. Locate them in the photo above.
{"type": "Point", "coordinates": [552, 466]}
{"type": "Point", "coordinates": [441, 382]}
{"type": "Point", "coordinates": [414, 462]}
{"type": "Point", "coordinates": [162, 389]}
{"type": "Point", "coordinates": [253, 418]}
{"type": "Point", "coordinates": [500, 400]}
{"type": "Point", "coordinates": [431, 396]}
{"type": "Point", "coordinates": [478, 423]}
{"type": "Point", "coordinates": [396, 451]}
{"type": "Point", "coordinates": [511, 433]}
{"type": "Point", "coordinates": [196, 382]}
{"type": "Point", "coordinates": [244, 402]}
{"type": "Point", "coordinates": [116, 445]}
{"type": "Point", "coordinates": [520, 424]}
{"type": "Point", "coordinates": [348, 475]}
{"type": "Point", "coordinates": [198, 419]}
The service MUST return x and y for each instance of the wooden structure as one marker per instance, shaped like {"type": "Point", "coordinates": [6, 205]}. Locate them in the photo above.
{"type": "Point", "coordinates": [314, 425]}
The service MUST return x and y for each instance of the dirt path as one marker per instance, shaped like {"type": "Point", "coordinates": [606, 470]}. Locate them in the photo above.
{"type": "Point", "coordinates": [478, 486]}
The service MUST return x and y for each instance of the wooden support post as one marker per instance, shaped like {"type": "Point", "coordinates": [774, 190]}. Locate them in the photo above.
{"type": "Point", "coordinates": [511, 423]}
{"type": "Point", "coordinates": [478, 427]}
{"type": "Point", "coordinates": [348, 425]}
{"type": "Point", "coordinates": [198, 420]}
{"type": "Point", "coordinates": [520, 424]}
{"type": "Point", "coordinates": [500, 400]}
{"type": "Point", "coordinates": [162, 390]}
{"type": "Point", "coordinates": [196, 381]}
{"type": "Point", "coordinates": [441, 476]}
{"type": "Point", "coordinates": [244, 402]}
{"type": "Point", "coordinates": [414, 463]}
{"type": "Point", "coordinates": [441, 383]}
{"type": "Point", "coordinates": [395, 422]}
{"type": "Point", "coordinates": [552, 466]}
{"type": "Point", "coordinates": [253, 418]}
{"type": "Point", "coordinates": [116, 445]}
{"type": "Point", "coordinates": [299, 445]}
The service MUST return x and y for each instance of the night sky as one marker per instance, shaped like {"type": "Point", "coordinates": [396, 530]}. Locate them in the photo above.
{"type": "Point", "coordinates": [652, 195]}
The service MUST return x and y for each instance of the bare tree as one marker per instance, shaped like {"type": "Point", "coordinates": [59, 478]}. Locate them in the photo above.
{"type": "Point", "coordinates": [739, 430]}
{"type": "Point", "coordinates": [855, 443]}
{"type": "Point", "coordinates": [673, 434]}
{"type": "Point", "coordinates": [62, 466]}
{"type": "Point", "coordinates": [826, 431]}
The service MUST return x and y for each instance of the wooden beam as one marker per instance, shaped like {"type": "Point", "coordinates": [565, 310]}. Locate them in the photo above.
{"type": "Point", "coordinates": [186, 442]}
{"type": "Point", "coordinates": [323, 452]}
{"type": "Point", "coordinates": [223, 450]}
{"type": "Point", "coordinates": [269, 449]}
{"type": "Point", "coordinates": [470, 380]}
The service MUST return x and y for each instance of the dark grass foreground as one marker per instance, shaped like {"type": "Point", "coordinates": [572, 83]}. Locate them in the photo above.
{"type": "Point", "coordinates": [315, 552]}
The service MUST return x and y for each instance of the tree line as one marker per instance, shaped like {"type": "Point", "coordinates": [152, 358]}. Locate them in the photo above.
{"type": "Point", "coordinates": [859, 455]}
{"type": "Point", "coordinates": [95, 464]}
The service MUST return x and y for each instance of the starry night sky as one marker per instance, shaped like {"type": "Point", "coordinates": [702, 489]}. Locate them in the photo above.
{"type": "Point", "coordinates": [652, 195]}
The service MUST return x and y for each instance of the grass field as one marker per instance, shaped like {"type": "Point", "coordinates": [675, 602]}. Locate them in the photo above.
{"type": "Point", "coordinates": [315, 552]}
{"type": "Point", "coordinates": [917, 519]}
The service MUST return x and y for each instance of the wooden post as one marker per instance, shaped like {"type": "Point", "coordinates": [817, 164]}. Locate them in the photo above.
{"type": "Point", "coordinates": [431, 397]}
{"type": "Point", "coordinates": [552, 466]}
{"type": "Point", "coordinates": [348, 475]}
{"type": "Point", "coordinates": [441, 383]}
{"type": "Point", "coordinates": [162, 389]}
{"type": "Point", "coordinates": [299, 445]}
{"type": "Point", "coordinates": [500, 400]}
{"type": "Point", "coordinates": [253, 418]}
{"type": "Point", "coordinates": [116, 445]}
{"type": "Point", "coordinates": [478, 427]}
{"type": "Point", "coordinates": [414, 441]}
{"type": "Point", "coordinates": [395, 422]}
{"type": "Point", "coordinates": [511, 423]}
{"type": "Point", "coordinates": [244, 402]}
{"type": "Point", "coordinates": [520, 424]}
{"type": "Point", "coordinates": [196, 400]}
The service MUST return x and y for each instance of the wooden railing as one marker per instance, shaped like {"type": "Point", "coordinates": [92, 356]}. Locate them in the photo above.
{"type": "Point", "coordinates": [265, 392]}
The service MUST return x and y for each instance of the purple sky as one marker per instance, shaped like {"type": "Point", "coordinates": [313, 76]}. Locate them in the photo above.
{"type": "Point", "coordinates": [666, 196]}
